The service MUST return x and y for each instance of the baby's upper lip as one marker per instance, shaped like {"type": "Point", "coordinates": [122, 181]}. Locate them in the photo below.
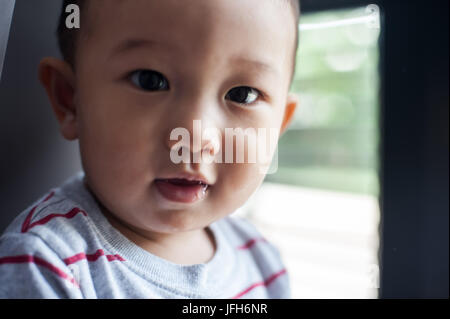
{"type": "Point", "coordinates": [197, 177]}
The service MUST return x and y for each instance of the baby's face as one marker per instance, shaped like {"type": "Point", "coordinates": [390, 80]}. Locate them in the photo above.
{"type": "Point", "coordinates": [148, 67]}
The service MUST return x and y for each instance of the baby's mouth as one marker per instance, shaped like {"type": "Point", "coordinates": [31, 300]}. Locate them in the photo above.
{"type": "Point", "coordinates": [182, 190]}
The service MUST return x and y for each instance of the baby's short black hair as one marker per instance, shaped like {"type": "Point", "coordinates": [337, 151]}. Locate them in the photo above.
{"type": "Point", "coordinates": [68, 38]}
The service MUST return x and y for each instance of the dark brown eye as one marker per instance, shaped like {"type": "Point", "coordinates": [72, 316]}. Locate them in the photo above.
{"type": "Point", "coordinates": [149, 80]}
{"type": "Point", "coordinates": [243, 95]}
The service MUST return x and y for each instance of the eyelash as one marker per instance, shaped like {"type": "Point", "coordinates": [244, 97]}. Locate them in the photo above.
{"type": "Point", "coordinates": [131, 75]}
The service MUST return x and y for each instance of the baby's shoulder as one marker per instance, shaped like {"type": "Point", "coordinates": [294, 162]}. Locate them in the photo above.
{"type": "Point", "coordinates": [253, 251]}
{"type": "Point", "coordinates": [239, 227]}
{"type": "Point", "coordinates": [243, 234]}
{"type": "Point", "coordinates": [56, 220]}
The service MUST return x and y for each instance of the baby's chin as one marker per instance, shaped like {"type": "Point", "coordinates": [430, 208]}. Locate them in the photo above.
{"type": "Point", "coordinates": [173, 222]}
{"type": "Point", "coordinates": [153, 217]}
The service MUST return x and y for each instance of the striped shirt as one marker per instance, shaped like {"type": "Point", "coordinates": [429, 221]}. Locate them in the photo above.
{"type": "Point", "coordinates": [62, 246]}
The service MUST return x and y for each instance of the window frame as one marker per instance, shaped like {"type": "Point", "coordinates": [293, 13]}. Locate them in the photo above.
{"type": "Point", "coordinates": [413, 149]}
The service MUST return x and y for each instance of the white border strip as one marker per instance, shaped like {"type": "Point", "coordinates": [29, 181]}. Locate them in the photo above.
{"type": "Point", "coordinates": [6, 13]}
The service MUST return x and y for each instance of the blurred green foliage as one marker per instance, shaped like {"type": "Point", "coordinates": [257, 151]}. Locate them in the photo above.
{"type": "Point", "coordinates": [333, 140]}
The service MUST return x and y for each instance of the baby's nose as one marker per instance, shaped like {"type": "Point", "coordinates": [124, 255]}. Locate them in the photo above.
{"type": "Point", "coordinates": [197, 138]}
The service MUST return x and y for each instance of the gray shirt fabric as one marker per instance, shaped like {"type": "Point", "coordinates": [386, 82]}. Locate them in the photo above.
{"type": "Point", "coordinates": [62, 246]}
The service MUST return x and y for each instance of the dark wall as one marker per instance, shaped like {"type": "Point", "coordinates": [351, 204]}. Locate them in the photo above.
{"type": "Point", "coordinates": [34, 157]}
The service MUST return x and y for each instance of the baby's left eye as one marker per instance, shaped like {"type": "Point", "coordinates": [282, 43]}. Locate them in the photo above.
{"type": "Point", "coordinates": [243, 95]}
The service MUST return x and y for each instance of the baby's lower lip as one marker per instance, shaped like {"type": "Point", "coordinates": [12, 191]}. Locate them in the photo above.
{"type": "Point", "coordinates": [182, 191]}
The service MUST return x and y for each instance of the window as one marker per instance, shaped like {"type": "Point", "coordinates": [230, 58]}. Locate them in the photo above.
{"type": "Point", "coordinates": [321, 207]}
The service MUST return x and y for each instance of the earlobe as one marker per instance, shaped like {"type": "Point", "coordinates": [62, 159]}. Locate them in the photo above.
{"type": "Point", "coordinates": [291, 105]}
{"type": "Point", "coordinates": [58, 80]}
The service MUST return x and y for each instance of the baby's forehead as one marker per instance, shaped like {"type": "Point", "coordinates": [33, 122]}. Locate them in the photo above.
{"type": "Point", "coordinates": [202, 13]}
{"type": "Point", "coordinates": [254, 33]}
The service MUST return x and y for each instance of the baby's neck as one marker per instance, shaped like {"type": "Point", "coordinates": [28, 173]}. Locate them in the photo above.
{"type": "Point", "coordinates": [187, 248]}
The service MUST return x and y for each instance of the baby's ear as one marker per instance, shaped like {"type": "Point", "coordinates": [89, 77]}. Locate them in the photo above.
{"type": "Point", "coordinates": [292, 102]}
{"type": "Point", "coordinates": [58, 80]}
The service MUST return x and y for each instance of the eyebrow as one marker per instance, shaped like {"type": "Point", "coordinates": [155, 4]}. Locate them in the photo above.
{"type": "Point", "coordinates": [255, 63]}
{"type": "Point", "coordinates": [130, 44]}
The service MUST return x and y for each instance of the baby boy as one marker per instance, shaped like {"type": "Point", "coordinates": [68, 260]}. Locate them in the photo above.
{"type": "Point", "coordinates": [135, 223]}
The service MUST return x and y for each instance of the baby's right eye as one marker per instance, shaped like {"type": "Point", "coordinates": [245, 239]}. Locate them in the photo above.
{"type": "Point", "coordinates": [149, 80]}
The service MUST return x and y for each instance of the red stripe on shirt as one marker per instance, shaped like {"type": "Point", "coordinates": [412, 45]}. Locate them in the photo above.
{"type": "Point", "coordinates": [74, 211]}
{"type": "Point", "coordinates": [266, 282]}
{"type": "Point", "coordinates": [38, 261]}
{"type": "Point", "coordinates": [251, 242]}
{"type": "Point", "coordinates": [26, 223]}
{"type": "Point", "coordinates": [91, 257]}
{"type": "Point", "coordinates": [27, 226]}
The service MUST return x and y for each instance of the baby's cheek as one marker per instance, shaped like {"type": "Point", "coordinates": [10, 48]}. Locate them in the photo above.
{"type": "Point", "coordinates": [118, 162]}
{"type": "Point", "coordinates": [239, 181]}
